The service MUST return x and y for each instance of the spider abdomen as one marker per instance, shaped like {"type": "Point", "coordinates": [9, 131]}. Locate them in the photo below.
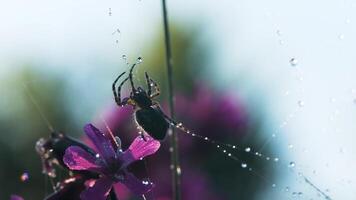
{"type": "Point", "coordinates": [153, 122]}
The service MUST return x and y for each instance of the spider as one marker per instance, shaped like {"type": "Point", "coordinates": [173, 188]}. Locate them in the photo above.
{"type": "Point", "coordinates": [148, 113]}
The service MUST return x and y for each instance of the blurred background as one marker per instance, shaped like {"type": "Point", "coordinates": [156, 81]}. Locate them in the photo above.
{"type": "Point", "coordinates": [272, 77]}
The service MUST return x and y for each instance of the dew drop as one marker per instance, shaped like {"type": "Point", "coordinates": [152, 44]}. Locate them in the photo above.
{"type": "Point", "coordinates": [97, 155]}
{"type": "Point", "coordinates": [247, 149]}
{"type": "Point", "coordinates": [290, 146]}
{"type": "Point", "coordinates": [224, 151]}
{"type": "Point", "coordinates": [229, 154]}
{"type": "Point", "coordinates": [179, 171]}
{"type": "Point", "coordinates": [291, 164]}
{"type": "Point", "coordinates": [273, 185]}
{"type": "Point", "coordinates": [139, 60]}
{"type": "Point", "coordinates": [206, 138]}
{"type": "Point", "coordinates": [145, 182]}
{"type": "Point", "coordinates": [293, 62]}
{"type": "Point", "coordinates": [267, 158]}
{"type": "Point", "coordinates": [234, 147]}
{"type": "Point", "coordinates": [286, 189]}
{"type": "Point", "coordinates": [24, 177]}
{"type": "Point", "coordinates": [301, 103]}
{"type": "Point", "coordinates": [276, 159]}
{"type": "Point", "coordinates": [279, 32]}
{"type": "Point", "coordinates": [218, 146]}
{"type": "Point", "coordinates": [243, 165]}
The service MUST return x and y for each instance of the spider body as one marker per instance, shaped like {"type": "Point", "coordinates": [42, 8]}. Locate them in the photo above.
{"type": "Point", "coordinates": [152, 121]}
{"type": "Point", "coordinates": [148, 113]}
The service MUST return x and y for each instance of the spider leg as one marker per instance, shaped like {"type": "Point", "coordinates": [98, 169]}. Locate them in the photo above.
{"type": "Point", "coordinates": [131, 80]}
{"type": "Point", "coordinates": [116, 96]}
{"type": "Point", "coordinates": [124, 101]}
{"type": "Point", "coordinates": [151, 83]}
{"type": "Point", "coordinates": [148, 84]}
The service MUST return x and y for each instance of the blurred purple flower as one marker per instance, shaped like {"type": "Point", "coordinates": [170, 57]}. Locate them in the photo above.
{"type": "Point", "coordinates": [111, 162]}
{"type": "Point", "coordinates": [16, 197]}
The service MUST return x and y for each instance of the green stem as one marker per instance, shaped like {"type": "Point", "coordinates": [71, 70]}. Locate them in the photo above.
{"type": "Point", "coordinates": [173, 136]}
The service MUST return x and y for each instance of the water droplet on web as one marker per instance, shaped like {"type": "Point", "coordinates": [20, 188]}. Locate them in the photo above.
{"type": "Point", "coordinates": [290, 146]}
{"type": "Point", "coordinates": [279, 32]}
{"type": "Point", "coordinates": [97, 155]}
{"type": "Point", "coordinates": [286, 189]}
{"type": "Point", "coordinates": [145, 182]}
{"type": "Point", "coordinates": [247, 149]}
{"type": "Point", "coordinates": [276, 159]}
{"type": "Point", "coordinates": [301, 103]}
{"type": "Point", "coordinates": [273, 185]}
{"type": "Point", "coordinates": [293, 62]}
{"type": "Point", "coordinates": [267, 158]}
{"type": "Point", "coordinates": [139, 60]}
{"type": "Point", "coordinates": [291, 164]}
{"type": "Point", "coordinates": [243, 165]}
{"type": "Point", "coordinates": [24, 177]}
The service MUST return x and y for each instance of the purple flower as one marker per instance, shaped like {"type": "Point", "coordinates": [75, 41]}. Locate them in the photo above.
{"type": "Point", "coordinates": [16, 197]}
{"type": "Point", "coordinates": [111, 163]}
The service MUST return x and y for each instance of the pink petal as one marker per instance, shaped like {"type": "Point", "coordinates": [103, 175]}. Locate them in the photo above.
{"type": "Point", "coordinates": [135, 185]}
{"type": "Point", "coordinates": [77, 158]}
{"type": "Point", "coordinates": [139, 149]}
{"type": "Point", "coordinates": [99, 191]}
{"type": "Point", "coordinates": [102, 143]}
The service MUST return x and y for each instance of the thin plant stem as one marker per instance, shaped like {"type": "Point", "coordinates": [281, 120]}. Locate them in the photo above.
{"type": "Point", "coordinates": [175, 167]}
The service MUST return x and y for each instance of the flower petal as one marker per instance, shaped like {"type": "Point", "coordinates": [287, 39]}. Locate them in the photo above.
{"type": "Point", "coordinates": [139, 149]}
{"type": "Point", "coordinates": [135, 185]}
{"type": "Point", "coordinates": [102, 143]}
{"type": "Point", "coordinates": [77, 158]}
{"type": "Point", "coordinates": [99, 191]}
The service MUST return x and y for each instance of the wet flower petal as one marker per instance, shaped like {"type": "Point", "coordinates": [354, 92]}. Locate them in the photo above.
{"type": "Point", "coordinates": [139, 149]}
{"type": "Point", "coordinates": [102, 143]}
{"type": "Point", "coordinates": [99, 191]}
{"type": "Point", "coordinates": [77, 158]}
{"type": "Point", "coordinates": [135, 185]}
